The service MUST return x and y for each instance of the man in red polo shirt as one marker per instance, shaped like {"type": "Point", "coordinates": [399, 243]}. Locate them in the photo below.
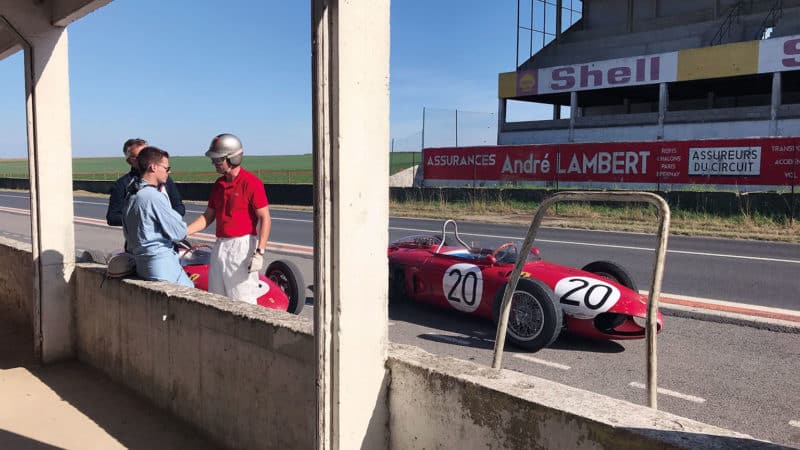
{"type": "Point", "coordinates": [238, 203]}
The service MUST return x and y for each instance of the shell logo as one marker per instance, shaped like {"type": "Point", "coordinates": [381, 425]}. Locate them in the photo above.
{"type": "Point", "coordinates": [527, 82]}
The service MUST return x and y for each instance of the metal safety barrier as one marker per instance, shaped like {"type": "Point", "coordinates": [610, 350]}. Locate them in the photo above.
{"type": "Point", "coordinates": [655, 288]}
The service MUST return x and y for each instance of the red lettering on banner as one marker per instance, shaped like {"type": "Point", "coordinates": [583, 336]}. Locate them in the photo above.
{"type": "Point", "coordinates": [753, 161]}
{"type": "Point", "coordinates": [563, 74]}
{"type": "Point", "coordinates": [791, 47]}
{"type": "Point", "coordinates": [596, 74]}
{"type": "Point", "coordinates": [619, 75]}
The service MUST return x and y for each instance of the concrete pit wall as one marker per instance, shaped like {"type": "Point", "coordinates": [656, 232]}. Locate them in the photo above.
{"type": "Point", "coordinates": [242, 373]}
{"type": "Point", "coordinates": [438, 402]}
{"type": "Point", "coordinates": [16, 281]}
{"type": "Point", "coordinates": [245, 376]}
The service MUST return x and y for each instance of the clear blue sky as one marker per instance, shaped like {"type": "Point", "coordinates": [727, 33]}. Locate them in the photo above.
{"type": "Point", "coordinates": [178, 72]}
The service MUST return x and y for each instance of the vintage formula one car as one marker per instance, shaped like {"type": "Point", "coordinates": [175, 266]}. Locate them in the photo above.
{"type": "Point", "coordinates": [281, 285]}
{"type": "Point", "coordinates": [599, 301]}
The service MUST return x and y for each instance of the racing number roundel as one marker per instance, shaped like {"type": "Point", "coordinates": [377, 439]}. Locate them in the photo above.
{"type": "Point", "coordinates": [462, 285]}
{"type": "Point", "coordinates": [585, 297]}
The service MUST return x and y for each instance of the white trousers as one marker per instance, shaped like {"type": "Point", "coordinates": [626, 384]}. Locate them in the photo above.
{"type": "Point", "coordinates": [227, 271]}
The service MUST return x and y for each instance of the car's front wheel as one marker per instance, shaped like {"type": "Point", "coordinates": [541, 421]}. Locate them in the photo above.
{"type": "Point", "coordinates": [535, 319]}
{"type": "Point", "coordinates": [611, 271]}
{"type": "Point", "coordinates": [288, 277]}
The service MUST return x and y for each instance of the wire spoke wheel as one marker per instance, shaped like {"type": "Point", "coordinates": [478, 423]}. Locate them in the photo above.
{"type": "Point", "coordinates": [526, 318]}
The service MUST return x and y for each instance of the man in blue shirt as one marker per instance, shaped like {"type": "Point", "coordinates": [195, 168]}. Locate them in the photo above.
{"type": "Point", "coordinates": [116, 199]}
{"type": "Point", "coordinates": [150, 224]}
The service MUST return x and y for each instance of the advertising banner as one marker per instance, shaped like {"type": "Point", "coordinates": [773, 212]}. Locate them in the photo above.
{"type": "Point", "coordinates": [731, 162]}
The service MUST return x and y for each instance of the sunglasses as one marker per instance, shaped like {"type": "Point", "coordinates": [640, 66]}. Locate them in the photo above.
{"type": "Point", "coordinates": [167, 168]}
{"type": "Point", "coordinates": [217, 160]}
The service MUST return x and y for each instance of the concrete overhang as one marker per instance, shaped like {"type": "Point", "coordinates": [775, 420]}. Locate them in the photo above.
{"type": "Point", "coordinates": [26, 17]}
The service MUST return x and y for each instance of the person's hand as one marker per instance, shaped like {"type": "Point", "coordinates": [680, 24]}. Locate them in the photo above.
{"type": "Point", "coordinates": [256, 263]}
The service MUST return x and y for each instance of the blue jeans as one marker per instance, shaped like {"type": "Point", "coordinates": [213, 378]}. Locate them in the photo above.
{"type": "Point", "coordinates": [163, 267]}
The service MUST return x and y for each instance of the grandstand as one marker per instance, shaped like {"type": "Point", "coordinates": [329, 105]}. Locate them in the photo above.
{"type": "Point", "coordinates": [649, 70]}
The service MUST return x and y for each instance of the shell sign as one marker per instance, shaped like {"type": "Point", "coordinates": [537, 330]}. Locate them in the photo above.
{"type": "Point", "coordinates": [526, 82]}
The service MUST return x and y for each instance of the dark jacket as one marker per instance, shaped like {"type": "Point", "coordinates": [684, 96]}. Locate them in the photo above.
{"type": "Point", "coordinates": [116, 201]}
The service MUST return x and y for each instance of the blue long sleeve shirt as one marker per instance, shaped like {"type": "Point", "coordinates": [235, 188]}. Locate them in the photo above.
{"type": "Point", "coordinates": [116, 199]}
{"type": "Point", "coordinates": [149, 222]}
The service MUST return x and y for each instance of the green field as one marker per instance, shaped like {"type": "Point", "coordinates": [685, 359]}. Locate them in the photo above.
{"type": "Point", "coordinates": [271, 169]}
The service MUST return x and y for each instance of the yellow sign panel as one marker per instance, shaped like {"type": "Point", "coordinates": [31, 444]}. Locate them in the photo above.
{"type": "Point", "coordinates": [720, 61]}
{"type": "Point", "coordinates": [507, 85]}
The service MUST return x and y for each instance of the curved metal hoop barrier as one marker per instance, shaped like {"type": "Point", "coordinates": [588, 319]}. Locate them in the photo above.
{"type": "Point", "coordinates": [655, 288]}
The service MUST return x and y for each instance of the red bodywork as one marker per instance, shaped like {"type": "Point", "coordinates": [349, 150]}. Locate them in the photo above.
{"type": "Point", "coordinates": [273, 296]}
{"type": "Point", "coordinates": [471, 282]}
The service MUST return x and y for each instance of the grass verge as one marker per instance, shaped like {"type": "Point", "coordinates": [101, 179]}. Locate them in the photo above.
{"type": "Point", "coordinates": [635, 218]}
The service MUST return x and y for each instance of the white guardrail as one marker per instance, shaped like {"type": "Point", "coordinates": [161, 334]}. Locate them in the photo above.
{"type": "Point", "coordinates": [655, 288]}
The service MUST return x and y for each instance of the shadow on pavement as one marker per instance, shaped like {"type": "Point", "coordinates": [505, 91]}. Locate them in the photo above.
{"type": "Point", "coordinates": [476, 332]}
{"type": "Point", "coordinates": [84, 407]}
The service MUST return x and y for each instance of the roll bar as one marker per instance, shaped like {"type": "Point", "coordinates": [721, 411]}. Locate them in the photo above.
{"type": "Point", "coordinates": [655, 287]}
{"type": "Point", "coordinates": [455, 232]}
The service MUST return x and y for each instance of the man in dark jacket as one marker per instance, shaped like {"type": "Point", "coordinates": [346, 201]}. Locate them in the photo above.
{"type": "Point", "coordinates": [116, 201]}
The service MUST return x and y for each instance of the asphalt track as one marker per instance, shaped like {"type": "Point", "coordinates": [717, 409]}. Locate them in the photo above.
{"type": "Point", "coordinates": [738, 377]}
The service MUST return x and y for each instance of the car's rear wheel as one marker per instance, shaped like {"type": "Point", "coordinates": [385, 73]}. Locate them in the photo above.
{"type": "Point", "coordinates": [288, 277]}
{"type": "Point", "coordinates": [397, 285]}
{"type": "Point", "coordinates": [535, 319]}
{"type": "Point", "coordinates": [613, 272]}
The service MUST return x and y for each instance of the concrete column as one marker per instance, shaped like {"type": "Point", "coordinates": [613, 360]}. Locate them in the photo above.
{"type": "Point", "coordinates": [558, 20]}
{"type": "Point", "coordinates": [50, 166]}
{"type": "Point", "coordinates": [629, 17]}
{"type": "Point", "coordinates": [502, 106]}
{"type": "Point", "coordinates": [663, 99]}
{"type": "Point", "coordinates": [574, 111]}
{"type": "Point", "coordinates": [350, 60]}
{"type": "Point", "coordinates": [775, 103]}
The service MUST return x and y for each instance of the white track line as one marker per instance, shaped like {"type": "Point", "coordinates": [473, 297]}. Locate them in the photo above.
{"type": "Point", "coordinates": [663, 391]}
{"type": "Point", "coordinates": [279, 246]}
{"type": "Point", "coordinates": [541, 361]}
{"type": "Point", "coordinates": [549, 241]}
{"type": "Point", "coordinates": [623, 247]}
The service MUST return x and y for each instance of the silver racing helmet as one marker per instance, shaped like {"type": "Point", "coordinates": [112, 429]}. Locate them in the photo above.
{"type": "Point", "coordinates": [226, 146]}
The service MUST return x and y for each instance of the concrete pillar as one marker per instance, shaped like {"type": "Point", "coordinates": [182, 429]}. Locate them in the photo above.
{"type": "Point", "coordinates": [558, 20]}
{"type": "Point", "coordinates": [502, 106]}
{"type": "Point", "coordinates": [574, 111]}
{"type": "Point", "coordinates": [663, 99]}
{"type": "Point", "coordinates": [774, 104]}
{"type": "Point", "coordinates": [50, 165]}
{"type": "Point", "coordinates": [350, 60]}
{"type": "Point", "coordinates": [629, 17]}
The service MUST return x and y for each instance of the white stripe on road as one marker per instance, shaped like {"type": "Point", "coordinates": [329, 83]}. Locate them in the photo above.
{"type": "Point", "coordinates": [663, 391]}
{"type": "Point", "coordinates": [279, 246]}
{"type": "Point", "coordinates": [623, 247]}
{"type": "Point", "coordinates": [552, 241]}
{"type": "Point", "coordinates": [541, 361]}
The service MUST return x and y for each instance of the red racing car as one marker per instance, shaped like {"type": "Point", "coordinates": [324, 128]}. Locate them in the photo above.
{"type": "Point", "coordinates": [281, 285]}
{"type": "Point", "coordinates": [599, 301]}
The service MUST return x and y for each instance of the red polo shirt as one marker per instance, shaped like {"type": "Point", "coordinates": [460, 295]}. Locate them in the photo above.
{"type": "Point", "coordinates": [235, 204]}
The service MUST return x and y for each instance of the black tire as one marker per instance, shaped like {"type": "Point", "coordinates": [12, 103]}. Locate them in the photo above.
{"type": "Point", "coordinates": [288, 277]}
{"type": "Point", "coordinates": [529, 333]}
{"type": "Point", "coordinates": [94, 256]}
{"type": "Point", "coordinates": [613, 272]}
{"type": "Point", "coordinates": [397, 285]}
